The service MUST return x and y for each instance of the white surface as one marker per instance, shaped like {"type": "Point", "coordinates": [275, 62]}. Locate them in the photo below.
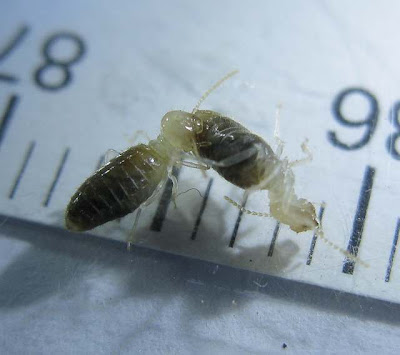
{"type": "Point", "coordinates": [60, 293]}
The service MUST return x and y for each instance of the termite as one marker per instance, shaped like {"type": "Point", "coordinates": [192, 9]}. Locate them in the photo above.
{"type": "Point", "coordinates": [133, 179]}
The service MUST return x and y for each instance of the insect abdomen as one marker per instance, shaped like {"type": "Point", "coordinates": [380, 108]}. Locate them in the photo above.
{"type": "Point", "coordinates": [222, 138]}
{"type": "Point", "coordinates": [116, 189]}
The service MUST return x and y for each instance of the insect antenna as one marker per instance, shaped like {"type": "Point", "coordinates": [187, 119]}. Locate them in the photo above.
{"type": "Point", "coordinates": [346, 253]}
{"type": "Point", "coordinates": [319, 232]}
{"type": "Point", "coordinates": [212, 88]}
{"type": "Point", "coordinates": [245, 210]}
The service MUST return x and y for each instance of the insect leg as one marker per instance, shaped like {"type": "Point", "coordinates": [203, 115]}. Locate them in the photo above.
{"type": "Point", "coordinates": [280, 143]}
{"type": "Point", "coordinates": [200, 166]}
{"type": "Point", "coordinates": [193, 165]}
{"type": "Point", "coordinates": [109, 155]}
{"type": "Point", "coordinates": [174, 186]}
{"type": "Point", "coordinates": [131, 237]}
{"type": "Point", "coordinates": [140, 133]}
{"type": "Point", "coordinates": [307, 152]}
{"type": "Point", "coordinates": [154, 195]}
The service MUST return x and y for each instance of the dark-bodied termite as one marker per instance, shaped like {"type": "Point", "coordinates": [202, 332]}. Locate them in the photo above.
{"type": "Point", "coordinates": [133, 179]}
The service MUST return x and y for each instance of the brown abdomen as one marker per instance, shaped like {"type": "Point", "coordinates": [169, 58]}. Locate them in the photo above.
{"type": "Point", "coordinates": [116, 189]}
{"type": "Point", "coordinates": [223, 138]}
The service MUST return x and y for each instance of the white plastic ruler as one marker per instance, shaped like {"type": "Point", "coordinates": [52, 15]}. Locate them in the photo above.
{"type": "Point", "coordinates": [76, 80]}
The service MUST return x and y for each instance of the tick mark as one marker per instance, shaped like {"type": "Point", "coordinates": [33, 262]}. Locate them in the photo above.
{"type": "Point", "coordinates": [202, 208]}
{"type": "Point", "coordinates": [27, 157]}
{"type": "Point", "coordinates": [56, 177]}
{"type": "Point", "coordinates": [162, 208]}
{"type": "Point", "coordinates": [274, 237]}
{"type": "Point", "coordinates": [359, 219]}
{"type": "Point", "coordinates": [392, 252]}
{"type": "Point", "coordinates": [236, 228]}
{"type": "Point", "coordinates": [6, 117]}
{"type": "Point", "coordinates": [315, 237]}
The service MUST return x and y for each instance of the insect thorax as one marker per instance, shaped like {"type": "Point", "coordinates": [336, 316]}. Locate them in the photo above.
{"type": "Point", "coordinates": [178, 129]}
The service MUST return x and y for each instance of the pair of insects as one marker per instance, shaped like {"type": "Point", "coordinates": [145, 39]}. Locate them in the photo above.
{"type": "Point", "coordinates": [133, 179]}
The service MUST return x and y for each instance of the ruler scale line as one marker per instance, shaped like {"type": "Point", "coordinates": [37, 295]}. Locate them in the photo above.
{"type": "Point", "coordinates": [274, 238]}
{"type": "Point", "coordinates": [237, 224]}
{"type": "Point", "coordinates": [159, 217]}
{"type": "Point", "coordinates": [56, 177]}
{"type": "Point", "coordinates": [202, 208]}
{"type": "Point", "coordinates": [17, 181]}
{"type": "Point", "coordinates": [6, 117]}
{"type": "Point", "coordinates": [392, 252]}
{"type": "Point", "coordinates": [359, 219]}
{"type": "Point", "coordinates": [315, 237]}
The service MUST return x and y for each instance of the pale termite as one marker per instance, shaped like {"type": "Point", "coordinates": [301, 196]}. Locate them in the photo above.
{"type": "Point", "coordinates": [133, 179]}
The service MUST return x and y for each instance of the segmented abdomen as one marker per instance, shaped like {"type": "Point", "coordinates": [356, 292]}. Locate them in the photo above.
{"type": "Point", "coordinates": [116, 189]}
{"type": "Point", "coordinates": [222, 138]}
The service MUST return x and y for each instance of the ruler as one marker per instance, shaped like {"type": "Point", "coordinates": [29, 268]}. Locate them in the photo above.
{"type": "Point", "coordinates": [71, 89]}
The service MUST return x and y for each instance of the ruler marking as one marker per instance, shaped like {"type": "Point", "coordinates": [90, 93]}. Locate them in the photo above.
{"type": "Point", "coordinates": [237, 224]}
{"type": "Point", "coordinates": [14, 42]}
{"type": "Point", "coordinates": [6, 118]}
{"type": "Point", "coordinates": [393, 251]}
{"type": "Point", "coordinates": [315, 237]}
{"type": "Point", "coordinates": [359, 219]}
{"type": "Point", "coordinates": [8, 78]}
{"type": "Point", "coordinates": [56, 177]}
{"type": "Point", "coordinates": [273, 241]}
{"type": "Point", "coordinates": [4, 52]}
{"type": "Point", "coordinates": [159, 217]}
{"type": "Point", "coordinates": [202, 208]}
{"type": "Point", "coordinates": [27, 157]}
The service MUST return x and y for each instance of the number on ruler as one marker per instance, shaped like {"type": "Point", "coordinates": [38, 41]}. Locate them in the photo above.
{"type": "Point", "coordinates": [8, 48]}
{"type": "Point", "coordinates": [63, 65]}
{"type": "Point", "coordinates": [392, 139]}
{"type": "Point", "coordinates": [369, 122]}
{"type": "Point", "coordinates": [60, 64]}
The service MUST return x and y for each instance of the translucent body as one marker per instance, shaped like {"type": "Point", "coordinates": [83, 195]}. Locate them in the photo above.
{"type": "Point", "coordinates": [242, 158]}
{"type": "Point", "coordinates": [132, 179]}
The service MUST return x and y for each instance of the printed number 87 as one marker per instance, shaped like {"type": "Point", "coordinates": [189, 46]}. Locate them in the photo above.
{"type": "Point", "coordinates": [369, 122]}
